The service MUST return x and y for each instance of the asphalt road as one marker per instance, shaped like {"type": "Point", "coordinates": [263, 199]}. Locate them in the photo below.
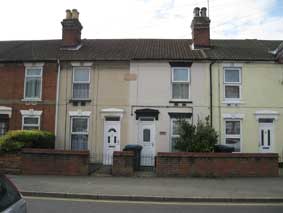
{"type": "Point", "coordinates": [54, 205]}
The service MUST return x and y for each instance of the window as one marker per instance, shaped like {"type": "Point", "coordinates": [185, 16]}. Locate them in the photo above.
{"type": "Point", "coordinates": [81, 81]}
{"type": "Point", "coordinates": [232, 83]}
{"type": "Point", "coordinates": [146, 135]}
{"type": "Point", "coordinates": [180, 83]}
{"type": "Point", "coordinates": [4, 127]}
{"type": "Point", "coordinates": [31, 122]}
{"type": "Point", "coordinates": [33, 83]}
{"type": "Point", "coordinates": [79, 133]}
{"type": "Point", "coordinates": [174, 133]}
{"type": "Point", "coordinates": [233, 134]}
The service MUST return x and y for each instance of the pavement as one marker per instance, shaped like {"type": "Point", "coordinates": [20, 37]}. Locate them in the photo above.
{"type": "Point", "coordinates": [153, 188]}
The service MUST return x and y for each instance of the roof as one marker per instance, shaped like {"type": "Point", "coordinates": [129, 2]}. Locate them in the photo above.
{"type": "Point", "coordinates": [138, 49]}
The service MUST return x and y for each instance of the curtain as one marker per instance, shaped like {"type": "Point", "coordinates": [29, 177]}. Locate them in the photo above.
{"type": "Point", "coordinates": [180, 91]}
{"type": "Point", "coordinates": [33, 86]}
{"type": "Point", "coordinates": [79, 142]}
{"type": "Point", "coordinates": [232, 91]}
{"type": "Point", "coordinates": [80, 91]}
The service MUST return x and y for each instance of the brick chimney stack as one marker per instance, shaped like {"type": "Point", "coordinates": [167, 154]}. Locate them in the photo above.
{"type": "Point", "coordinates": [200, 29]}
{"type": "Point", "coordinates": [71, 35]}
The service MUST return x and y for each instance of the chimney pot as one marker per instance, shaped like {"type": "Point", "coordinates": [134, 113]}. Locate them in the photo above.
{"type": "Point", "coordinates": [203, 12]}
{"type": "Point", "coordinates": [196, 11]}
{"type": "Point", "coordinates": [75, 14]}
{"type": "Point", "coordinates": [68, 14]}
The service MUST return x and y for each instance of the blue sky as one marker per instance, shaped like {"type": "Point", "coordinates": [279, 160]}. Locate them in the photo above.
{"type": "Point", "coordinates": [230, 19]}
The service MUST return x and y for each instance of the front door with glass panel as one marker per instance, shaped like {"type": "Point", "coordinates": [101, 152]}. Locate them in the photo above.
{"type": "Point", "coordinates": [147, 141]}
{"type": "Point", "coordinates": [111, 138]}
{"type": "Point", "coordinates": [265, 137]}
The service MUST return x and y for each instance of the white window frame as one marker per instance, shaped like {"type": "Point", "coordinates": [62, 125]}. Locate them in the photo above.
{"type": "Point", "coordinates": [233, 136]}
{"type": "Point", "coordinates": [171, 129]}
{"type": "Point", "coordinates": [31, 125]}
{"type": "Point", "coordinates": [79, 133]}
{"type": "Point", "coordinates": [81, 82]}
{"type": "Point", "coordinates": [176, 82]}
{"type": "Point", "coordinates": [239, 84]}
{"type": "Point", "coordinates": [27, 67]}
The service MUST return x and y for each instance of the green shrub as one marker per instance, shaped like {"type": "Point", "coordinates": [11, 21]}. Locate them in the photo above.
{"type": "Point", "coordinates": [15, 140]}
{"type": "Point", "coordinates": [196, 138]}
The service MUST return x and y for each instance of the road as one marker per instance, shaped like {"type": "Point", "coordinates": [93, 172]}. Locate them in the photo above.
{"type": "Point", "coordinates": [54, 205]}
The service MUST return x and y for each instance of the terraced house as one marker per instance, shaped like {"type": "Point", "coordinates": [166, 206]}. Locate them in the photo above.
{"type": "Point", "coordinates": [106, 93]}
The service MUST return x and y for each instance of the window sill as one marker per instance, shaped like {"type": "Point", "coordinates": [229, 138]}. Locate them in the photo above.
{"type": "Point", "coordinates": [31, 100]}
{"type": "Point", "coordinates": [79, 100]}
{"type": "Point", "coordinates": [232, 102]}
{"type": "Point", "coordinates": [185, 101]}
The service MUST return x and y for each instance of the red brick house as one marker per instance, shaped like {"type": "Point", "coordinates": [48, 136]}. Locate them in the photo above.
{"type": "Point", "coordinates": [28, 89]}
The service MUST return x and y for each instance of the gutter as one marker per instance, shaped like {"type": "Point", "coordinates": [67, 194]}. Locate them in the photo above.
{"type": "Point", "coordinates": [57, 94]}
{"type": "Point", "coordinates": [210, 88]}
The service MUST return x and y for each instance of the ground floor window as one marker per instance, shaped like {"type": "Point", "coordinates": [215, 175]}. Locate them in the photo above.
{"type": "Point", "coordinates": [31, 123]}
{"type": "Point", "coordinates": [79, 133]}
{"type": "Point", "coordinates": [174, 135]}
{"type": "Point", "coordinates": [233, 134]}
{"type": "Point", "coordinates": [4, 124]}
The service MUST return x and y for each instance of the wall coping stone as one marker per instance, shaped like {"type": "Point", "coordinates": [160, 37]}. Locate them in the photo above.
{"type": "Point", "coordinates": [54, 152]}
{"type": "Point", "coordinates": [217, 155]}
{"type": "Point", "coordinates": [123, 153]}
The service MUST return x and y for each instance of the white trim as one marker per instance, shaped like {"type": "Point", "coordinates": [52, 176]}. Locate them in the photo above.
{"type": "Point", "coordinates": [79, 113]}
{"type": "Point", "coordinates": [31, 125]}
{"type": "Point", "coordinates": [79, 133]}
{"type": "Point", "coordinates": [31, 112]}
{"type": "Point", "coordinates": [233, 116]}
{"type": "Point", "coordinates": [232, 65]}
{"type": "Point", "coordinates": [79, 68]}
{"type": "Point", "coordinates": [267, 114]}
{"type": "Point", "coordinates": [115, 112]}
{"type": "Point", "coordinates": [240, 136]}
{"type": "Point", "coordinates": [33, 66]}
{"type": "Point", "coordinates": [176, 82]}
{"type": "Point", "coordinates": [6, 111]}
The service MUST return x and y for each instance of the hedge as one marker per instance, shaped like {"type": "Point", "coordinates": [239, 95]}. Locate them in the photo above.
{"type": "Point", "coordinates": [15, 140]}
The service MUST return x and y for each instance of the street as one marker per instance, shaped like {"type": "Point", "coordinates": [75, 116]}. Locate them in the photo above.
{"type": "Point", "coordinates": [54, 205]}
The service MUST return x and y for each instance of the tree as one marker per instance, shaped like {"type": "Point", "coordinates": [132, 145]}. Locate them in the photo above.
{"type": "Point", "coordinates": [196, 138]}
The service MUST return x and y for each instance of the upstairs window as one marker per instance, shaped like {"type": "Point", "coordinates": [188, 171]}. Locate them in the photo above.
{"type": "Point", "coordinates": [232, 83]}
{"type": "Point", "coordinates": [180, 83]}
{"type": "Point", "coordinates": [81, 82]}
{"type": "Point", "coordinates": [33, 82]}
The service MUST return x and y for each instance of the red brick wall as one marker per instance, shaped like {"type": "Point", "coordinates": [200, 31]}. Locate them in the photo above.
{"type": "Point", "coordinates": [12, 77]}
{"type": "Point", "coordinates": [54, 162]}
{"type": "Point", "coordinates": [216, 164]}
{"type": "Point", "coordinates": [10, 163]}
{"type": "Point", "coordinates": [123, 163]}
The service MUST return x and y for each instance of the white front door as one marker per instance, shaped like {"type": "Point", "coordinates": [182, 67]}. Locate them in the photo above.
{"type": "Point", "coordinates": [147, 140]}
{"type": "Point", "coordinates": [266, 137]}
{"type": "Point", "coordinates": [111, 140]}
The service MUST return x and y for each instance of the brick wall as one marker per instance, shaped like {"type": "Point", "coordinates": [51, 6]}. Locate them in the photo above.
{"type": "Point", "coordinates": [12, 77]}
{"type": "Point", "coordinates": [54, 162]}
{"type": "Point", "coordinates": [123, 163]}
{"type": "Point", "coordinates": [10, 163]}
{"type": "Point", "coordinates": [216, 164]}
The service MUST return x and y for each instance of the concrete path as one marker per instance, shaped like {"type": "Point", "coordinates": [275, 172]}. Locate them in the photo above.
{"type": "Point", "coordinates": [153, 188]}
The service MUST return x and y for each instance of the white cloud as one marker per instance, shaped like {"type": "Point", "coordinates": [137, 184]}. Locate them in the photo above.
{"type": "Point", "coordinates": [33, 19]}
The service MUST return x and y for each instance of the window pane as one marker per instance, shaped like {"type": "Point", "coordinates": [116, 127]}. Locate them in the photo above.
{"type": "Point", "coordinates": [232, 76]}
{"type": "Point", "coordinates": [31, 120]}
{"type": "Point", "coordinates": [234, 142]}
{"type": "Point", "coordinates": [232, 92]}
{"type": "Point", "coordinates": [81, 75]}
{"type": "Point", "coordinates": [79, 142]}
{"type": "Point", "coordinates": [3, 127]}
{"type": "Point", "coordinates": [180, 91]}
{"type": "Point", "coordinates": [146, 135]}
{"type": "Point", "coordinates": [80, 91]}
{"type": "Point", "coordinates": [34, 71]}
{"type": "Point", "coordinates": [175, 124]}
{"type": "Point", "coordinates": [233, 128]}
{"type": "Point", "coordinates": [79, 125]}
{"type": "Point", "coordinates": [33, 87]}
{"type": "Point", "coordinates": [180, 74]}
{"type": "Point", "coordinates": [173, 144]}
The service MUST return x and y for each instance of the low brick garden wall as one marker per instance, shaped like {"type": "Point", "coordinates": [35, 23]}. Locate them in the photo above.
{"type": "Point", "coordinates": [45, 162]}
{"type": "Point", "coordinates": [123, 163]}
{"type": "Point", "coordinates": [216, 164]}
{"type": "Point", "coordinates": [54, 162]}
{"type": "Point", "coordinates": [10, 163]}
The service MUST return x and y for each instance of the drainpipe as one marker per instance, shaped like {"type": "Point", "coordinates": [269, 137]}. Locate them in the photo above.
{"type": "Point", "coordinates": [57, 95]}
{"type": "Point", "coordinates": [210, 88]}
